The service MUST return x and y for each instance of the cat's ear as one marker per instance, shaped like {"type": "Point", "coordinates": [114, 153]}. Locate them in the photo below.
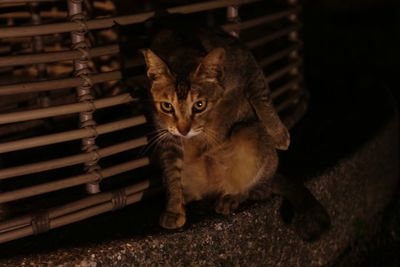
{"type": "Point", "coordinates": [211, 68]}
{"type": "Point", "coordinates": [157, 69]}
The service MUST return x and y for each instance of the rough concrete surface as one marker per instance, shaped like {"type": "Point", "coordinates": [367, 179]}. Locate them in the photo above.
{"type": "Point", "coordinates": [354, 191]}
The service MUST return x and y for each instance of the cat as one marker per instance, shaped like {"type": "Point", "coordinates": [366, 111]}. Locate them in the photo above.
{"type": "Point", "coordinates": [218, 131]}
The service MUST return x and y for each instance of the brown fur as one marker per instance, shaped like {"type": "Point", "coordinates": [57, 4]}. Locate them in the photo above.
{"type": "Point", "coordinates": [229, 147]}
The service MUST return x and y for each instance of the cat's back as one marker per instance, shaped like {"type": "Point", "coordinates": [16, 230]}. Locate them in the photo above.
{"type": "Point", "coordinates": [182, 42]}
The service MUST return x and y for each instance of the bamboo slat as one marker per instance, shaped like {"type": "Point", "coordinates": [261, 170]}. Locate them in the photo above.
{"type": "Point", "coordinates": [14, 100]}
{"type": "Point", "coordinates": [284, 88]}
{"type": "Point", "coordinates": [92, 211]}
{"type": "Point", "coordinates": [64, 109]}
{"type": "Point", "coordinates": [2, 2]}
{"type": "Point", "coordinates": [283, 71]}
{"type": "Point", "coordinates": [57, 84]}
{"type": "Point", "coordinates": [292, 99]}
{"type": "Point", "coordinates": [277, 56]}
{"type": "Point", "coordinates": [71, 160]}
{"type": "Point", "coordinates": [298, 111]}
{"type": "Point", "coordinates": [68, 82]}
{"type": "Point", "coordinates": [72, 207]}
{"type": "Point", "coordinates": [94, 200]}
{"type": "Point", "coordinates": [271, 37]}
{"type": "Point", "coordinates": [26, 15]}
{"type": "Point", "coordinates": [48, 57]}
{"type": "Point", "coordinates": [70, 135]}
{"type": "Point", "coordinates": [19, 127]}
{"type": "Point", "coordinates": [243, 25]}
{"type": "Point", "coordinates": [103, 23]}
{"type": "Point", "coordinates": [70, 218]}
{"type": "Point", "coordinates": [72, 181]}
{"type": "Point", "coordinates": [5, 49]}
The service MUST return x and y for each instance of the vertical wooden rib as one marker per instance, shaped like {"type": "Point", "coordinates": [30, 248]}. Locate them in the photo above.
{"type": "Point", "coordinates": [38, 47]}
{"type": "Point", "coordinates": [294, 56]}
{"type": "Point", "coordinates": [84, 93]}
{"type": "Point", "coordinates": [232, 16]}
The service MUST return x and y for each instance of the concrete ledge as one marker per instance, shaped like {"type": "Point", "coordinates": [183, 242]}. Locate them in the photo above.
{"type": "Point", "coordinates": [355, 191]}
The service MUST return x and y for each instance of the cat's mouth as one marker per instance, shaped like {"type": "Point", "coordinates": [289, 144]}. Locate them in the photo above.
{"type": "Point", "coordinates": [187, 135]}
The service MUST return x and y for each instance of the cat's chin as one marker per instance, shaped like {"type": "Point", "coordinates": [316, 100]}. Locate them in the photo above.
{"type": "Point", "coordinates": [185, 136]}
{"type": "Point", "coordinates": [188, 136]}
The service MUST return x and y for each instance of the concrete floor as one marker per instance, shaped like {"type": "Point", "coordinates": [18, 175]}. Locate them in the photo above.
{"type": "Point", "coordinates": [355, 191]}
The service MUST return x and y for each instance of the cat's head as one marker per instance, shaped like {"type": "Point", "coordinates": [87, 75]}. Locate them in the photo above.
{"type": "Point", "coordinates": [183, 104]}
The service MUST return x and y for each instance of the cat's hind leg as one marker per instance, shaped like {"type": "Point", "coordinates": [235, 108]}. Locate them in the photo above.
{"type": "Point", "coordinates": [262, 190]}
{"type": "Point", "coordinates": [226, 204]}
{"type": "Point", "coordinates": [251, 159]}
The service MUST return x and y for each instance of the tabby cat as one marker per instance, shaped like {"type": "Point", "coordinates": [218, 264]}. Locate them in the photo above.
{"type": "Point", "coordinates": [217, 128]}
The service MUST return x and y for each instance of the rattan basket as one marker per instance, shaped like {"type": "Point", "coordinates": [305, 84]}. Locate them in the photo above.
{"type": "Point", "coordinates": [66, 120]}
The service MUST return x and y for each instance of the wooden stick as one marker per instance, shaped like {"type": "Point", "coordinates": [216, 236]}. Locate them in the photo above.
{"type": "Point", "coordinates": [72, 207]}
{"type": "Point", "coordinates": [277, 56]}
{"type": "Point", "coordinates": [70, 218]}
{"type": "Point", "coordinates": [72, 181]}
{"type": "Point", "coordinates": [71, 160]}
{"type": "Point", "coordinates": [70, 135]}
{"type": "Point", "coordinates": [64, 109]}
{"type": "Point", "coordinates": [109, 22]}
{"type": "Point", "coordinates": [57, 84]}
{"type": "Point", "coordinates": [271, 37]}
{"type": "Point", "coordinates": [24, 1]}
{"type": "Point", "coordinates": [283, 71]}
{"type": "Point", "coordinates": [243, 25]}
{"type": "Point", "coordinates": [58, 56]}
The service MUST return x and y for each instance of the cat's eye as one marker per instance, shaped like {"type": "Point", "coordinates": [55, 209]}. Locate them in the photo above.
{"type": "Point", "coordinates": [167, 107]}
{"type": "Point", "coordinates": [199, 106]}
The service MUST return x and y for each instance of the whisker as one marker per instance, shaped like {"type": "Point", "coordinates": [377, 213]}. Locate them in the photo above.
{"type": "Point", "coordinates": [152, 141]}
{"type": "Point", "coordinates": [212, 137]}
{"type": "Point", "coordinates": [164, 140]}
{"type": "Point", "coordinates": [204, 137]}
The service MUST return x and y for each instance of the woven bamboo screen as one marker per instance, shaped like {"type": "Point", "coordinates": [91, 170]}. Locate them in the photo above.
{"type": "Point", "coordinates": [67, 123]}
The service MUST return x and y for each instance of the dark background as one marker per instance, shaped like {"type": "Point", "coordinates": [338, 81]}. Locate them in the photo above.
{"type": "Point", "coordinates": [352, 60]}
{"type": "Point", "coordinates": [352, 69]}
{"type": "Point", "coordinates": [352, 43]}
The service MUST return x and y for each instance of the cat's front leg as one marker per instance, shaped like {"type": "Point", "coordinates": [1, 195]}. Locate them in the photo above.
{"type": "Point", "coordinates": [174, 215]}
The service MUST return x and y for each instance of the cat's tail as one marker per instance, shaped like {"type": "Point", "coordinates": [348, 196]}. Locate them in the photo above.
{"type": "Point", "coordinates": [300, 209]}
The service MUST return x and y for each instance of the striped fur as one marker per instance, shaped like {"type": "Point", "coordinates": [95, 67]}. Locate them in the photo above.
{"type": "Point", "coordinates": [220, 130]}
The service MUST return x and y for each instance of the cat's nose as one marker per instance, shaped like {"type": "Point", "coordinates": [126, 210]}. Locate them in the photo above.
{"type": "Point", "coordinates": [183, 128]}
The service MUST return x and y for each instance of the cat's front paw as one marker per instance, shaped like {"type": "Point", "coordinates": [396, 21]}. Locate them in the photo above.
{"type": "Point", "coordinates": [172, 220]}
{"type": "Point", "coordinates": [227, 204]}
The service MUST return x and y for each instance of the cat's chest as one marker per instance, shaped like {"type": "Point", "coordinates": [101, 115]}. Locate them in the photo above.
{"type": "Point", "coordinates": [199, 169]}
{"type": "Point", "coordinates": [192, 150]}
